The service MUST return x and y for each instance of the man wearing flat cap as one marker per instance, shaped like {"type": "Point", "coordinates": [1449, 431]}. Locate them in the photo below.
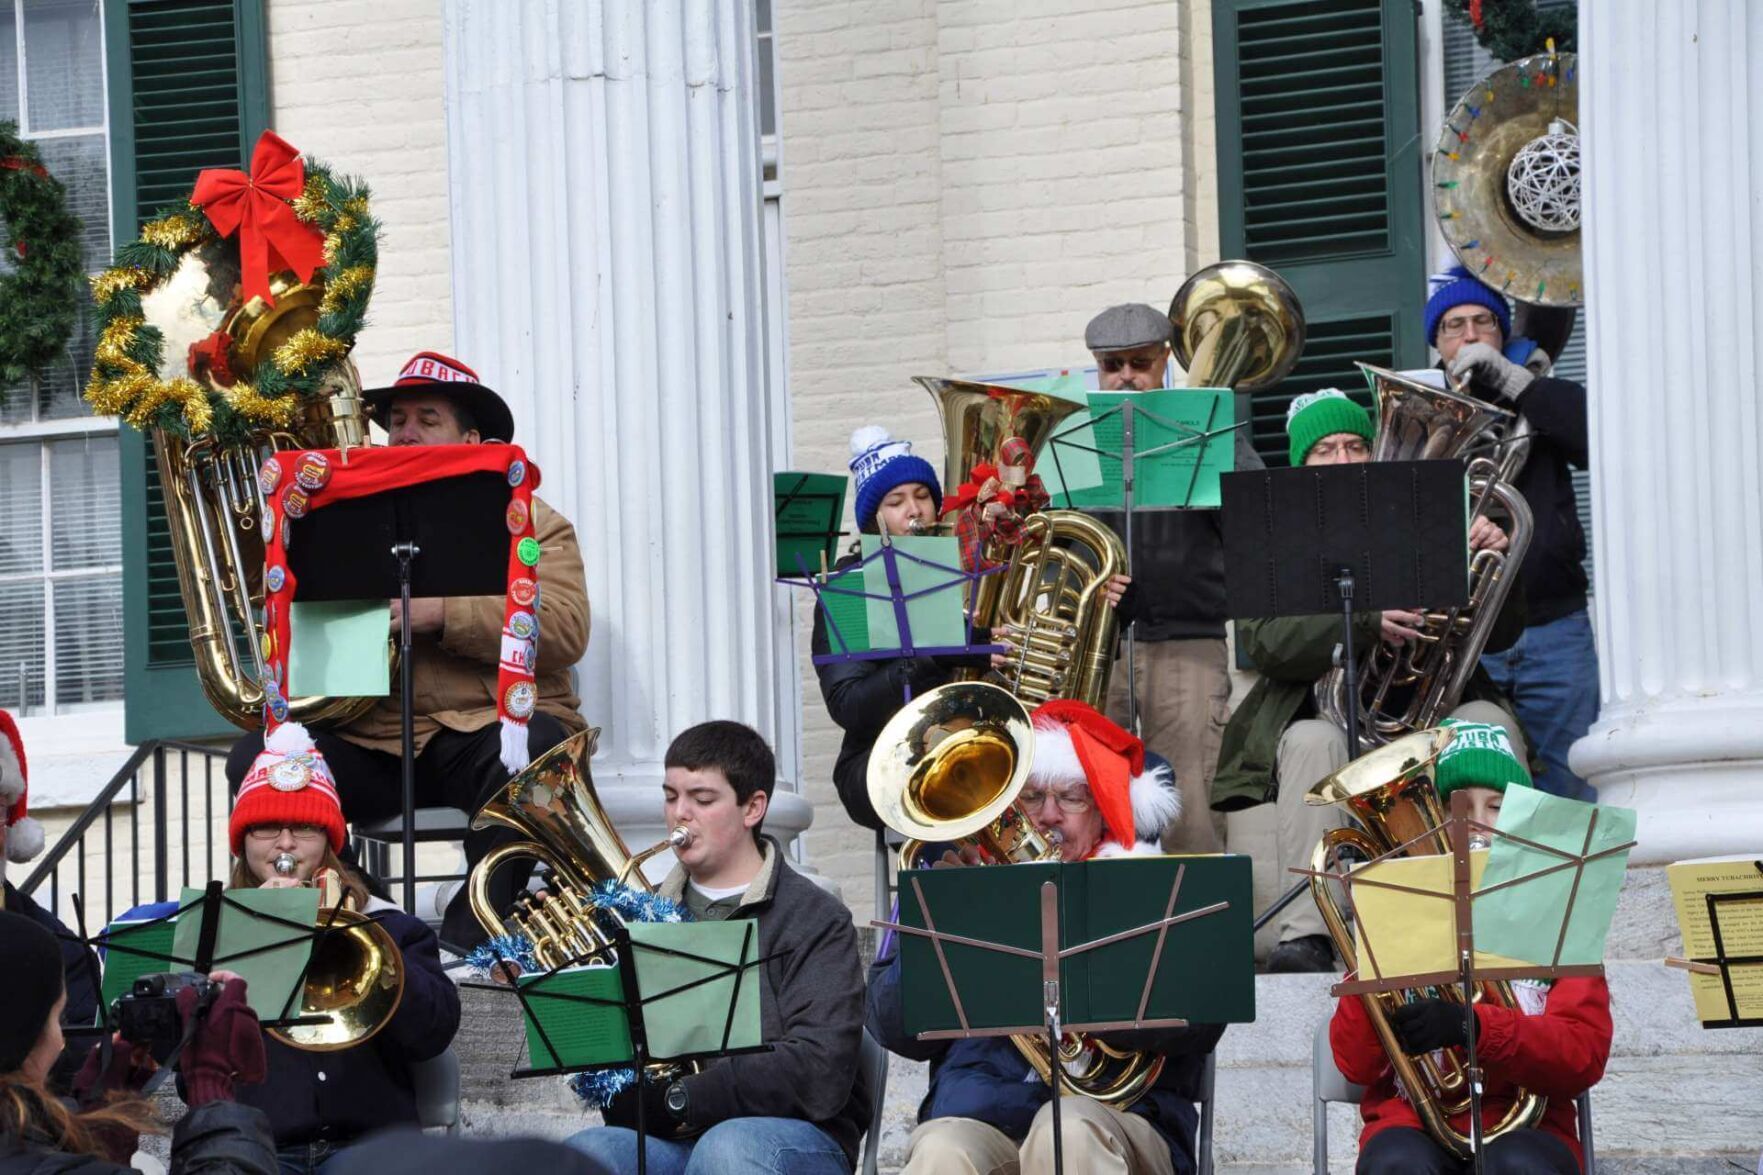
{"type": "Point", "coordinates": [457, 644]}
{"type": "Point", "coordinates": [1176, 609]}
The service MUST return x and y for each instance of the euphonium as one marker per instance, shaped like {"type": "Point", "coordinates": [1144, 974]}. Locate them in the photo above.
{"type": "Point", "coordinates": [947, 769]}
{"type": "Point", "coordinates": [552, 802]}
{"type": "Point", "coordinates": [1412, 687]}
{"type": "Point", "coordinates": [1050, 593]}
{"type": "Point", "coordinates": [213, 505]}
{"type": "Point", "coordinates": [355, 976]}
{"type": "Point", "coordinates": [1390, 792]}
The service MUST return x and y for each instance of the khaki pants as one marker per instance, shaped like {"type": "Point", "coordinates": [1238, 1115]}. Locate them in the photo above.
{"type": "Point", "coordinates": [1310, 750]}
{"type": "Point", "coordinates": [1184, 703]}
{"type": "Point", "coordinates": [1098, 1141]}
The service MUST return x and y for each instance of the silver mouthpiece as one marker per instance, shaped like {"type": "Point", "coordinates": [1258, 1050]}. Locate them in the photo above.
{"type": "Point", "coordinates": [679, 838]}
{"type": "Point", "coordinates": [285, 864]}
{"type": "Point", "coordinates": [914, 527]}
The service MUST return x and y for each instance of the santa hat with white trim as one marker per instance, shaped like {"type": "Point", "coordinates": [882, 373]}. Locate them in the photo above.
{"type": "Point", "coordinates": [24, 835]}
{"type": "Point", "coordinates": [1074, 743]}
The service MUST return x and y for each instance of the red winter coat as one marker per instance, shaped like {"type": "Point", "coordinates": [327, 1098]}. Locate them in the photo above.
{"type": "Point", "coordinates": [1559, 1054]}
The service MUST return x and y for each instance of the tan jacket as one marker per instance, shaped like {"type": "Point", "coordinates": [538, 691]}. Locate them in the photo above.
{"type": "Point", "coordinates": [456, 671]}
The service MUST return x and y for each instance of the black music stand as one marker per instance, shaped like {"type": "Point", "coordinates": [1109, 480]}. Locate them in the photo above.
{"type": "Point", "coordinates": [629, 1010]}
{"type": "Point", "coordinates": [1225, 922]}
{"type": "Point", "coordinates": [367, 549]}
{"type": "Point", "coordinates": [1340, 538]}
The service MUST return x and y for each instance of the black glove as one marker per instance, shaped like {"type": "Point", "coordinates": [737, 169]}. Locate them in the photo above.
{"type": "Point", "coordinates": [1426, 1025]}
{"type": "Point", "coordinates": [657, 1118]}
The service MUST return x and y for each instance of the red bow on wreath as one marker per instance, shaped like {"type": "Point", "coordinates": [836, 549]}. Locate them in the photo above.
{"type": "Point", "coordinates": [256, 206]}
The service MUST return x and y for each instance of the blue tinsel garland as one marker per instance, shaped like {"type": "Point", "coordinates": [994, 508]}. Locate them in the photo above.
{"type": "Point", "coordinates": [516, 947]}
{"type": "Point", "coordinates": [599, 1087]}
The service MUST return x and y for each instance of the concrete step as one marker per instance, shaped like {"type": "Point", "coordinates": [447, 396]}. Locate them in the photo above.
{"type": "Point", "coordinates": [1675, 1097]}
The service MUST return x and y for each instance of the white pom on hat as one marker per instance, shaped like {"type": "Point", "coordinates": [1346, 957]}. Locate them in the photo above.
{"type": "Point", "coordinates": [24, 839]}
{"type": "Point", "coordinates": [290, 738]}
{"type": "Point", "coordinates": [868, 437]}
{"type": "Point", "coordinates": [1299, 403]}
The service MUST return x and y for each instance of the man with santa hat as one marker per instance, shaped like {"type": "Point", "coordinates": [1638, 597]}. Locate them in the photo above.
{"type": "Point", "coordinates": [21, 839]}
{"type": "Point", "coordinates": [1093, 789]}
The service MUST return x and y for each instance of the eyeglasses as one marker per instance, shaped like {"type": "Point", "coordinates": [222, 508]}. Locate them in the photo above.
{"type": "Point", "coordinates": [1328, 450]}
{"type": "Point", "coordinates": [1074, 803]}
{"type": "Point", "coordinates": [1450, 328]}
{"type": "Point", "coordinates": [269, 832]}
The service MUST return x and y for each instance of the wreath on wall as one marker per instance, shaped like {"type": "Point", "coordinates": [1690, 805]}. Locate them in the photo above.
{"type": "Point", "coordinates": [40, 297]}
{"type": "Point", "coordinates": [1510, 29]}
{"type": "Point", "coordinates": [293, 218]}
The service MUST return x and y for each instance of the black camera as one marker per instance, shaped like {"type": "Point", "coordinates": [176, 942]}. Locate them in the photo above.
{"type": "Point", "coordinates": [147, 1014]}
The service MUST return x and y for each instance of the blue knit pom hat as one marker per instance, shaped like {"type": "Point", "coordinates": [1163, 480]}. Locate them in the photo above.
{"type": "Point", "coordinates": [1456, 287]}
{"type": "Point", "coordinates": [879, 465]}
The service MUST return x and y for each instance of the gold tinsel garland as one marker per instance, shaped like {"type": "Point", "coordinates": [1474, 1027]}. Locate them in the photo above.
{"type": "Point", "coordinates": [307, 349]}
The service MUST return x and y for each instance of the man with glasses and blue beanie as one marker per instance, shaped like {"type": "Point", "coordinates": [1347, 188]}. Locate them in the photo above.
{"type": "Point", "coordinates": [1551, 674]}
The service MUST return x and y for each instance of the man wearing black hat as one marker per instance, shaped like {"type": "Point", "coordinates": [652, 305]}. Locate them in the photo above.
{"type": "Point", "coordinates": [437, 400]}
{"type": "Point", "coordinates": [1551, 674]}
{"type": "Point", "coordinates": [1176, 610]}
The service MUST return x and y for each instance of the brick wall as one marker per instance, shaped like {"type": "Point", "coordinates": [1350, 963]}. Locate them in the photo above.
{"type": "Point", "coordinates": [965, 183]}
{"type": "Point", "coordinates": [358, 84]}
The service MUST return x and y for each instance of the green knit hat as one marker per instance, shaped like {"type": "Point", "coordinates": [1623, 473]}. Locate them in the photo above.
{"type": "Point", "coordinates": [1315, 415]}
{"type": "Point", "coordinates": [1480, 755]}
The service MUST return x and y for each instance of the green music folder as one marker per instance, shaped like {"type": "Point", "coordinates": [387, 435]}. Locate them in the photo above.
{"type": "Point", "coordinates": [1205, 970]}
{"type": "Point", "coordinates": [134, 948]}
{"type": "Point", "coordinates": [1182, 442]}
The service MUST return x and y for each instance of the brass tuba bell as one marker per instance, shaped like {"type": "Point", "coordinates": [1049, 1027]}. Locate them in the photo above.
{"type": "Point", "coordinates": [355, 976]}
{"type": "Point", "coordinates": [1238, 325]}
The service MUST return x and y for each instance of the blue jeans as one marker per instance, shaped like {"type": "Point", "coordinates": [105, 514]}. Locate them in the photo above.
{"type": "Point", "coordinates": [738, 1146]}
{"type": "Point", "coordinates": [1551, 677]}
{"type": "Point", "coordinates": [307, 1158]}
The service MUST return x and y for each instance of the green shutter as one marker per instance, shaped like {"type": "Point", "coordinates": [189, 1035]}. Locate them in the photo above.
{"type": "Point", "coordinates": [187, 90]}
{"type": "Point", "coordinates": [1319, 167]}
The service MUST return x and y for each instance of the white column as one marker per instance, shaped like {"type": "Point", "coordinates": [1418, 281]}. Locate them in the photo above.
{"type": "Point", "coordinates": [1674, 221]}
{"type": "Point", "coordinates": [604, 174]}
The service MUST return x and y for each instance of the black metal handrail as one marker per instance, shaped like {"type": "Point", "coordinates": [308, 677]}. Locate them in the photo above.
{"type": "Point", "coordinates": [125, 787]}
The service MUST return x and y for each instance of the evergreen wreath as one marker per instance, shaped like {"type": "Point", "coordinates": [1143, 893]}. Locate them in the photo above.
{"type": "Point", "coordinates": [1511, 29]}
{"type": "Point", "coordinates": [40, 298]}
{"type": "Point", "coordinates": [124, 372]}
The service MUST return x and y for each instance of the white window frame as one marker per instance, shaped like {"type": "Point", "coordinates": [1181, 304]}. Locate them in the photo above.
{"type": "Point", "coordinates": [95, 728]}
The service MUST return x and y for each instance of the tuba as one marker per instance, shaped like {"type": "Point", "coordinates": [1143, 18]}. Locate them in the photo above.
{"type": "Point", "coordinates": [213, 505]}
{"type": "Point", "coordinates": [355, 976]}
{"type": "Point", "coordinates": [552, 803]}
{"type": "Point", "coordinates": [948, 769]}
{"type": "Point", "coordinates": [1410, 688]}
{"type": "Point", "coordinates": [1238, 325]}
{"type": "Point", "coordinates": [1389, 791]}
{"type": "Point", "coordinates": [1050, 591]}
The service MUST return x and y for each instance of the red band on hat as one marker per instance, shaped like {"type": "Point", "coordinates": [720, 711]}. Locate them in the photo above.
{"type": "Point", "coordinates": [432, 367]}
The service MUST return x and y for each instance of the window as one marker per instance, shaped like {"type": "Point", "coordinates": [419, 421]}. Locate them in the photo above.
{"type": "Point", "coordinates": [60, 538]}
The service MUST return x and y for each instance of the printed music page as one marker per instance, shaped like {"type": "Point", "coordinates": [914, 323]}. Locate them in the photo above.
{"type": "Point", "coordinates": [1741, 932]}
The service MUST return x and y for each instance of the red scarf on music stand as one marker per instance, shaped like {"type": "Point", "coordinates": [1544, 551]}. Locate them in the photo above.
{"type": "Point", "coordinates": [296, 481]}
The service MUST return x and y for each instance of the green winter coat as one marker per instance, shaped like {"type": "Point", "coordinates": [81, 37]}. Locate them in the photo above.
{"type": "Point", "coordinates": [1292, 653]}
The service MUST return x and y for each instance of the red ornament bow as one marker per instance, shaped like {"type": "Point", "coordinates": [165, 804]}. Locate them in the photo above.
{"type": "Point", "coordinates": [256, 206]}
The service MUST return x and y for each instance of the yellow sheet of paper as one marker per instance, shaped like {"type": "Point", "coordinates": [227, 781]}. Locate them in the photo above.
{"type": "Point", "coordinates": [339, 649]}
{"type": "Point", "coordinates": [1741, 932]}
{"type": "Point", "coordinates": [1411, 934]}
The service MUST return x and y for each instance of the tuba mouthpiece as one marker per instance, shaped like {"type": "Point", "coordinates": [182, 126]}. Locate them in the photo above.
{"type": "Point", "coordinates": [284, 865]}
{"type": "Point", "coordinates": [679, 838]}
